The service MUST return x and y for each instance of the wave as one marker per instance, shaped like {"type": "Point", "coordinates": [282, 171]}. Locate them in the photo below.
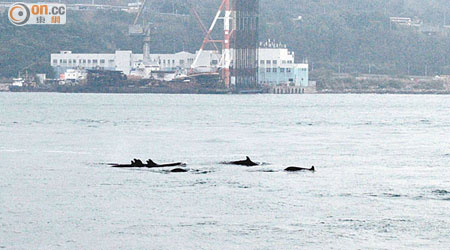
{"type": "Point", "coordinates": [66, 152]}
{"type": "Point", "coordinates": [441, 192]}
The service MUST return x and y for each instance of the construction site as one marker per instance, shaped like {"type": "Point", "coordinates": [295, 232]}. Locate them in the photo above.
{"type": "Point", "coordinates": [236, 64]}
{"type": "Point", "coordinates": [227, 61]}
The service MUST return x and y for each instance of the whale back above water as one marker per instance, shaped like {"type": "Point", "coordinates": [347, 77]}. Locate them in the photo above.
{"type": "Point", "coordinates": [247, 162]}
{"type": "Point", "coordinates": [178, 170]}
{"type": "Point", "coordinates": [136, 163]}
{"type": "Point", "coordinates": [297, 169]}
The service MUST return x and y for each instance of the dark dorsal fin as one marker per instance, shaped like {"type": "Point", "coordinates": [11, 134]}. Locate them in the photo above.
{"type": "Point", "coordinates": [248, 158]}
{"type": "Point", "coordinates": [151, 163]}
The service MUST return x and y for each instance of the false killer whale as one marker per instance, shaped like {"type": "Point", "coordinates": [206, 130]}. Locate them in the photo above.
{"type": "Point", "coordinates": [178, 170]}
{"type": "Point", "coordinates": [136, 163]}
{"type": "Point", "coordinates": [297, 169]}
{"type": "Point", "coordinates": [152, 164]}
{"type": "Point", "coordinates": [247, 162]}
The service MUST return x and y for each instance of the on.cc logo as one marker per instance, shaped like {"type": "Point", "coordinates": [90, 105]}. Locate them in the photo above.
{"type": "Point", "coordinates": [19, 14]}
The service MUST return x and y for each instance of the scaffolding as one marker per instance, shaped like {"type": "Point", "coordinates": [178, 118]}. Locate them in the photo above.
{"type": "Point", "coordinates": [245, 42]}
{"type": "Point", "coordinates": [239, 62]}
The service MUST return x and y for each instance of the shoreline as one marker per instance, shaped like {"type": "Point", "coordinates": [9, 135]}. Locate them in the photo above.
{"type": "Point", "coordinates": [233, 93]}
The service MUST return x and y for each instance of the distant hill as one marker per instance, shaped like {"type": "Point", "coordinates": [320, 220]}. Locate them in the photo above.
{"type": "Point", "coordinates": [351, 36]}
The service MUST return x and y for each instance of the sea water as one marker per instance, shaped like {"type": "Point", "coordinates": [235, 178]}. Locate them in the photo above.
{"type": "Point", "coordinates": [382, 179]}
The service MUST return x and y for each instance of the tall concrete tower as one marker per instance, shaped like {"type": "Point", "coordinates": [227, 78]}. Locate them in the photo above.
{"type": "Point", "coordinates": [244, 43]}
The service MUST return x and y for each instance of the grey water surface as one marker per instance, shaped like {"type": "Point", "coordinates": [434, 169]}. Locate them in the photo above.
{"type": "Point", "coordinates": [382, 179]}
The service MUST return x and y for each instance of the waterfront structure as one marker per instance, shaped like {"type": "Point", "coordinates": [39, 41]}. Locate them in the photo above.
{"type": "Point", "coordinates": [126, 61]}
{"type": "Point", "coordinates": [239, 63]}
{"type": "Point", "coordinates": [277, 66]}
{"type": "Point", "coordinates": [18, 82]}
{"type": "Point", "coordinates": [4, 87]}
{"type": "Point", "coordinates": [74, 75]}
{"type": "Point", "coordinates": [244, 42]}
{"type": "Point", "coordinates": [406, 21]}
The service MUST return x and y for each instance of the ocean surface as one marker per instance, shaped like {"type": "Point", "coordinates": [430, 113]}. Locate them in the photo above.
{"type": "Point", "coordinates": [382, 179]}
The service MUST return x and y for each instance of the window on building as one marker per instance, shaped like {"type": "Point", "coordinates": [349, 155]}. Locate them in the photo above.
{"type": "Point", "coordinates": [84, 60]}
{"type": "Point", "coordinates": [89, 61]}
{"type": "Point", "coordinates": [102, 61]}
{"type": "Point", "coordinates": [111, 62]}
{"type": "Point", "coordinates": [214, 62]}
{"type": "Point", "coordinates": [181, 62]}
{"type": "Point", "coordinates": [164, 61]}
{"type": "Point", "coordinates": [95, 61]}
{"type": "Point", "coordinates": [268, 62]}
{"type": "Point", "coordinates": [284, 61]}
{"type": "Point", "coordinates": [290, 62]}
{"type": "Point", "coordinates": [282, 70]}
{"type": "Point", "coordinates": [173, 61]}
{"type": "Point", "coordinates": [261, 62]}
{"type": "Point", "coordinates": [274, 62]}
{"type": "Point", "coordinates": [268, 70]}
{"type": "Point", "coordinates": [275, 70]}
{"type": "Point", "coordinates": [64, 61]}
{"type": "Point", "coordinates": [288, 70]}
{"type": "Point", "coordinates": [55, 61]}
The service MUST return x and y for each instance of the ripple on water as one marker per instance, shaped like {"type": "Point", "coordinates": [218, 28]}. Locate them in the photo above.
{"type": "Point", "coordinates": [390, 195]}
{"type": "Point", "coordinates": [90, 121]}
{"type": "Point", "coordinates": [441, 192]}
{"type": "Point", "coordinates": [264, 171]}
{"type": "Point", "coordinates": [196, 171]}
{"type": "Point", "coordinates": [393, 195]}
{"type": "Point", "coordinates": [199, 183]}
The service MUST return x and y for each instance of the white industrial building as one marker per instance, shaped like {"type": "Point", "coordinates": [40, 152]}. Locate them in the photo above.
{"type": "Point", "coordinates": [276, 63]}
{"type": "Point", "coordinates": [126, 61]}
{"type": "Point", "coordinates": [277, 66]}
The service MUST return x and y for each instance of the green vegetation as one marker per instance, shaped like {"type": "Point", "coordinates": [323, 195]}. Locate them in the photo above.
{"type": "Point", "coordinates": [351, 36]}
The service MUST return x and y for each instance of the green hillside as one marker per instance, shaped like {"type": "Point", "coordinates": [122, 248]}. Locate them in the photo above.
{"type": "Point", "coordinates": [352, 36]}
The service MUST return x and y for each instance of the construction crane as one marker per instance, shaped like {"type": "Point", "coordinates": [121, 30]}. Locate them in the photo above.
{"type": "Point", "coordinates": [223, 54]}
{"type": "Point", "coordinates": [195, 14]}
{"type": "Point", "coordinates": [141, 9]}
{"type": "Point", "coordinates": [137, 29]}
{"type": "Point", "coordinates": [225, 61]}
